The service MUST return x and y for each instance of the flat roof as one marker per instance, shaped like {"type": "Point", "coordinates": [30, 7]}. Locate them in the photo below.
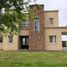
{"type": "Point", "coordinates": [36, 4]}
{"type": "Point", "coordinates": [51, 10]}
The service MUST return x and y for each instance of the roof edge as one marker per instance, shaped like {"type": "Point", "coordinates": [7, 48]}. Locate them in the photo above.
{"type": "Point", "coordinates": [51, 10]}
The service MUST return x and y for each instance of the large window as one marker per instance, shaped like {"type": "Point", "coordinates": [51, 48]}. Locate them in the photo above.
{"type": "Point", "coordinates": [51, 21]}
{"type": "Point", "coordinates": [52, 39]}
{"type": "Point", "coordinates": [24, 24]}
{"type": "Point", "coordinates": [1, 39]}
{"type": "Point", "coordinates": [36, 24]}
{"type": "Point", "coordinates": [10, 39]}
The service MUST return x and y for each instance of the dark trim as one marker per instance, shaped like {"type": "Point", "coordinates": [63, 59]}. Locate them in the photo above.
{"type": "Point", "coordinates": [46, 28]}
{"type": "Point", "coordinates": [51, 11]}
{"type": "Point", "coordinates": [55, 27]}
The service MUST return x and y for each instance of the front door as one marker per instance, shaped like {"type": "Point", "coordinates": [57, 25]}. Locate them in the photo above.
{"type": "Point", "coordinates": [24, 42]}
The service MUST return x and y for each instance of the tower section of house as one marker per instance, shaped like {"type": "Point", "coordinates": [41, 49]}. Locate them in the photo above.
{"type": "Point", "coordinates": [36, 29]}
{"type": "Point", "coordinates": [53, 39]}
{"type": "Point", "coordinates": [51, 18]}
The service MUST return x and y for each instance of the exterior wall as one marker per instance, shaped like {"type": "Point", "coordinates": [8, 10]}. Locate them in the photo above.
{"type": "Point", "coordinates": [36, 39]}
{"type": "Point", "coordinates": [58, 44]}
{"type": "Point", "coordinates": [7, 46]}
{"type": "Point", "coordinates": [51, 14]}
{"type": "Point", "coordinates": [13, 46]}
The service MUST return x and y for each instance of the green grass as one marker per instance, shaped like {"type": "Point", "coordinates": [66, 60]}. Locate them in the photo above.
{"type": "Point", "coordinates": [33, 59]}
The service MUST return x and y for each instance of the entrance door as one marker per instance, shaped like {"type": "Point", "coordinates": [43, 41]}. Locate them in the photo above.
{"type": "Point", "coordinates": [24, 42]}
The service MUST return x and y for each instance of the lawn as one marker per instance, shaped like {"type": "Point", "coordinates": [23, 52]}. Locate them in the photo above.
{"type": "Point", "coordinates": [33, 59]}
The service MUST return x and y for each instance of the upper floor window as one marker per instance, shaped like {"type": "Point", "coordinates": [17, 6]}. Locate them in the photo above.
{"type": "Point", "coordinates": [10, 39]}
{"type": "Point", "coordinates": [52, 39]}
{"type": "Point", "coordinates": [1, 39]}
{"type": "Point", "coordinates": [51, 21]}
{"type": "Point", "coordinates": [36, 24]}
{"type": "Point", "coordinates": [24, 24]}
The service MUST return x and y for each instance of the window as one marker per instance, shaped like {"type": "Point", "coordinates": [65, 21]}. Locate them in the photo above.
{"type": "Point", "coordinates": [36, 24]}
{"type": "Point", "coordinates": [10, 38]}
{"type": "Point", "coordinates": [52, 39]}
{"type": "Point", "coordinates": [1, 39]}
{"type": "Point", "coordinates": [51, 20]}
{"type": "Point", "coordinates": [24, 41]}
{"type": "Point", "coordinates": [24, 24]}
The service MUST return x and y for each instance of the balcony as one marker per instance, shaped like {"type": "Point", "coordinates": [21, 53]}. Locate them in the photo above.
{"type": "Point", "coordinates": [24, 25]}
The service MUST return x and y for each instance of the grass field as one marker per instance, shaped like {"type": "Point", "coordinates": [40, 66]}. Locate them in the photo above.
{"type": "Point", "coordinates": [33, 59]}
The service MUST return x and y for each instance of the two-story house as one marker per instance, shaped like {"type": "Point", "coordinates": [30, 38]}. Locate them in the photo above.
{"type": "Point", "coordinates": [43, 33]}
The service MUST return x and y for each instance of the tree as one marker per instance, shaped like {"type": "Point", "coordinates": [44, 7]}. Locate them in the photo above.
{"type": "Point", "coordinates": [12, 12]}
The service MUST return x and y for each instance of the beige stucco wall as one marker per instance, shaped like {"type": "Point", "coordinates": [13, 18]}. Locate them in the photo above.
{"type": "Point", "coordinates": [7, 46]}
{"type": "Point", "coordinates": [51, 14]}
{"type": "Point", "coordinates": [58, 44]}
{"type": "Point", "coordinates": [15, 45]}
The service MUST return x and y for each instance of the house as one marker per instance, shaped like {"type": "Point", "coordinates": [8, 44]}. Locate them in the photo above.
{"type": "Point", "coordinates": [43, 33]}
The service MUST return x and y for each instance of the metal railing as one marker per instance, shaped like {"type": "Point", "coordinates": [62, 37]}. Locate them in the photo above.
{"type": "Point", "coordinates": [24, 24]}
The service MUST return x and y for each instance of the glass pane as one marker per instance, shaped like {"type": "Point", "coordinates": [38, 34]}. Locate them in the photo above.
{"type": "Point", "coordinates": [25, 24]}
{"type": "Point", "coordinates": [51, 21]}
{"type": "Point", "coordinates": [23, 41]}
{"type": "Point", "coordinates": [1, 39]}
{"type": "Point", "coordinates": [36, 23]}
{"type": "Point", "coordinates": [26, 41]}
{"type": "Point", "coordinates": [10, 39]}
{"type": "Point", "coordinates": [51, 39]}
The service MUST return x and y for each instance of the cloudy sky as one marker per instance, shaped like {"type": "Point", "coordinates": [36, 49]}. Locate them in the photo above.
{"type": "Point", "coordinates": [60, 5]}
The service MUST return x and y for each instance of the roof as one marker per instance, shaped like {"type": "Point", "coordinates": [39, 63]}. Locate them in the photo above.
{"type": "Point", "coordinates": [51, 10]}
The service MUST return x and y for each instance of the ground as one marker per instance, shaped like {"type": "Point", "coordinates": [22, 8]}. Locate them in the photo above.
{"type": "Point", "coordinates": [33, 59]}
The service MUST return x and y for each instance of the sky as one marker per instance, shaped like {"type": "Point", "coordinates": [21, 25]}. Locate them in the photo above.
{"type": "Point", "coordinates": [60, 5]}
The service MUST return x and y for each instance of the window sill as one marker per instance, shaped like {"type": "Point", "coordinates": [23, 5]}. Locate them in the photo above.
{"type": "Point", "coordinates": [10, 43]}
{"type": "Point", "coordinates": [1, 43]}
{"type": "Point", "coordinates": [52, 43]}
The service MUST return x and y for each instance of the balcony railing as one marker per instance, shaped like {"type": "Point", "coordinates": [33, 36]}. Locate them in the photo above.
{"type": "Point", "coordinates": [24, 24]}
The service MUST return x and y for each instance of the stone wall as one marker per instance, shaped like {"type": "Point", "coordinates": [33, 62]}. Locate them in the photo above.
{"type": "Point", "coordinates": [36, 39]}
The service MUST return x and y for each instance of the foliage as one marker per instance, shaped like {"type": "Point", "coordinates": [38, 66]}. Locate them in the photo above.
{"type": "Point", "coordinates": [11, 14]}
{"type": "Point", "coordinates": [33, 13]}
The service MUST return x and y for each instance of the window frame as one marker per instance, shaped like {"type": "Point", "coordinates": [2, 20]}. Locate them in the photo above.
{"type": "Point", "coordinates": [51, 21]}
{"type": "Point", "coordinates": [36, 24]}
{"type": "Point", "coordinates": [54, 39]}
{"type": "Point", "coordinates": [9, 39]}
{"type": "Point", "coordinates": [2, 39]}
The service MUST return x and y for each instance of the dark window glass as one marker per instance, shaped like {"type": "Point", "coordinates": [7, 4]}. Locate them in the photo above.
{"type": "Point", "coordinates": [52, 39]}
{"type": "Point", "coordinates": [24, 24]}
{"type": "Point", "coordinates": [24, 41]}
{"type": "Point", "coordinates": [51, 21]}
{"type": "Point", "coordinates": [1, 39]}
{"type": "Point", "coordinates": [10, 38]}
